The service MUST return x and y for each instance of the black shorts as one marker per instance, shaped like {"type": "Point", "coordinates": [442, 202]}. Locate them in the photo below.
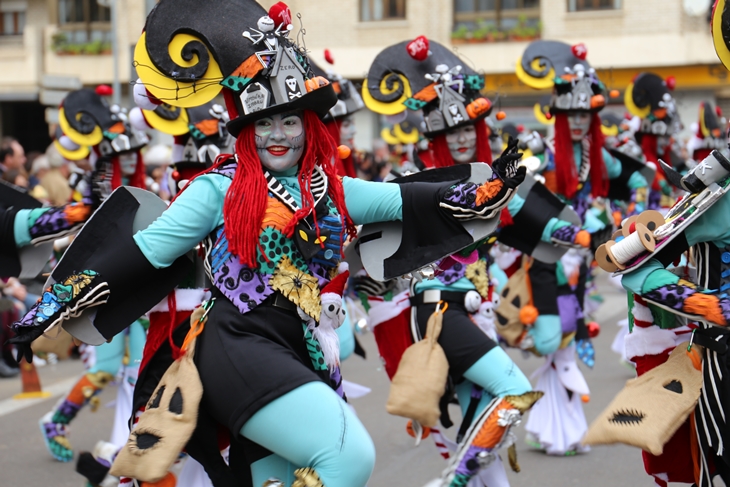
{"type": "Point", "coordinates": [463, 341]}
{"type": "Point", "coordinates": [247, 360]}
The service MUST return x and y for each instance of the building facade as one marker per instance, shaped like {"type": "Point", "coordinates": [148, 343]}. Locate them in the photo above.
{"type": "Point", "coordinates": [48, 44]}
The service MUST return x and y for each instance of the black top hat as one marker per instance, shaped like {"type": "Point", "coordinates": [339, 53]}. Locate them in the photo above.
{"type": "Point", "coordinates": [440, 84]}
{"type": "Point", "coordinates": [649, 98]}
{"type": "Point", "coordinates": [563, 68]}
{"type": "Point", "coordinates": [193, 49]}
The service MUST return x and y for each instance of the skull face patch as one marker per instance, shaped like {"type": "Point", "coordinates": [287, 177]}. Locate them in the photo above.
{"type": "Point", "coordinates": [652, 407]}
{"type": "Point", "coordinates": [165, 426]}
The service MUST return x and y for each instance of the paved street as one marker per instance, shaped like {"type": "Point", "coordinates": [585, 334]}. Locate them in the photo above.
{"type": "Point", "coordinates": [25, 462]}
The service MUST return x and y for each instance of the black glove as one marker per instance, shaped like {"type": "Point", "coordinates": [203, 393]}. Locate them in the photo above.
{"type": "Point", "coordinates": [506, 165]}
{"type": "Point", "coordinates": [22, 340]}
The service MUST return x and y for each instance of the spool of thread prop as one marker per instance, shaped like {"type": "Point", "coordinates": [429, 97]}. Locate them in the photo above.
{"type": "Point", "coordinates": [613, 256]}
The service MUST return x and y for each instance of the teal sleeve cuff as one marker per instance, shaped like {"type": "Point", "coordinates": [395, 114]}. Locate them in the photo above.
{"type": "Point", "coordinates": [637, 181]}
{"type": "Point", "coordinates": [371, 202]}
{"type": "Point", "coordinates": [613, 166]}
{"type": "Point", "coordinates": [592, 223]}
{"type": "Point", "coordinates": [648, 277]}
{"type": "Point", "coordinates": [515, 205]}
{"type": "Point", "coordinates": [550, 228]}
{"type": "Point", "coordinates": [547, 333]}
{"type": "Point", "coordinates": [21, 228]}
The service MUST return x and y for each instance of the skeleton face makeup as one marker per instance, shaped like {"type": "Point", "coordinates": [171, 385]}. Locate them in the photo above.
{"type": "Point", "coordinates": [280, 141]}
{"type": "Point", "coordinates": [462, 144]}
{"type": "Point", "coordinates": [128, 163]}
{"type": "Point", "coordinates": [580, 123]}
{"type": "Point", "coordinates": [348, 131]}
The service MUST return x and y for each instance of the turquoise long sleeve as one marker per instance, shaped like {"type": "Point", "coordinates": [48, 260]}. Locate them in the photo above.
{"type": "Point", "coordinates": [370, 202]}
{"type": "Point", "coordinates": [188, 220]}
{"type": "Point", "coordinates": [21, 228]}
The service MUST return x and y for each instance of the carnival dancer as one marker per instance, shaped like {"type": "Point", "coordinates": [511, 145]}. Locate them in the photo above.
{"type": "Point", "coordinates": [89, 122]}
{"type": "Point", "coordinates": [448, 93]}
{"type": "Point", "coordinates": [649, 99]}
{"type": "Point", "coordinates": [708, 134]}
{"type": "Point", "coordinates": [266, 357]}
{"type": "Point", "coordinates": [580, 170]}
{"type": "Point", "coordinates": [669, 308]}
{"type": "Point", "coordinates": [200, 136]}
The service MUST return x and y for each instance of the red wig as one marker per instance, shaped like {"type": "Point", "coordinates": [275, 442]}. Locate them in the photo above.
{"type": "Point", "coordinates": [137, 179]}
{"type": "Point", "coordinates": [441, 154]}
{"type": "Point", "coordinates": [566, 170]}
{"type": "Point", "coordinates": [345, 167]}
{"type": "Point", "coordinates": [245, 202]}
{"type": "Point", "coordinates": [651, 153]}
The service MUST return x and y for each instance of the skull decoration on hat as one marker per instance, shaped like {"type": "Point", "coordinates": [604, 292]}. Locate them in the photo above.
{"type": "Point", "coordinates": [424, 75]}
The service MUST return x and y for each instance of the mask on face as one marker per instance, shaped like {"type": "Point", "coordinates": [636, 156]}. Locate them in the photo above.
{"type": "Point", "coordinates": [580, 123]}
{"type": "Point", "coordinates": [128, 164]}
{"type": "Point", "coordinates": [280, 141]}
{"type": "Point", "coordinates": [462, 144]}
{"type": "Point", "coordinates": [347, 132]}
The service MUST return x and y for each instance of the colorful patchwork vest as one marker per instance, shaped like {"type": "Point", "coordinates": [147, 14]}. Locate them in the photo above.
{"type": "Point", "coordinates": [297, 267]}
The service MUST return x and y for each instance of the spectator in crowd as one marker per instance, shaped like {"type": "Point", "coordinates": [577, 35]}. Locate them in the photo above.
{"type": "Point", "coordinates": [55, 180]}
{"type": "Point", "coordinates": [17, 177]}
{"type": "Point", "coordinates": [12, 154]}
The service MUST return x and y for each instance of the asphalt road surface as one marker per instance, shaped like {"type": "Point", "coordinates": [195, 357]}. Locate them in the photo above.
{"type": "Point", "coordinates": [24, 460]}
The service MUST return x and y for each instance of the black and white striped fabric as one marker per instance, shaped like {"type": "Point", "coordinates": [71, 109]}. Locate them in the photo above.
{"type": "Point", "coordinates": [585, 162]}
{"type": "Point", "coordinates": [318, 187]}
{"type": "Point", "coordinates": [710, 416]}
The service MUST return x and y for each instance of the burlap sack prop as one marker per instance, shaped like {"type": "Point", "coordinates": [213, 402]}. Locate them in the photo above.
{"type": "Point", "coordinates": [420, 380]}
{"type": "Point", "coordinates": [514, 296]}
{"type": "Point", "coordinates": [651, 408]}
{"type": "Point", "coordinates": [60, 345]}
{"type": "Point", "coordinates": [169, 418]}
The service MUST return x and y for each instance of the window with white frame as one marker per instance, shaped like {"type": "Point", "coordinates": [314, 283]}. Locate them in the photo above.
{"type": "Point", "coordinates": [12, 17]}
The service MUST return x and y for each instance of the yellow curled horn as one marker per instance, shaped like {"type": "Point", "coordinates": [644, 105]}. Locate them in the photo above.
{"type": "Point", "coordinates": [388, 108]}
{"type": "Point", "coordinates": [631, 106]}
{"type": "Point", "coordinates": [541, 116]}
{"type": "Point", "coordinates": [185, 94]}
{"type": "Point", "coordinates": [718, 37]}
{"type": "Point", "coordinates": [179, 126]}
{"type": "Point", "coordinates": [544, 83]}
{"type": "Point", "coordinates": [76, 137]}
{"type": "Point", "coordinates": [72, 155]}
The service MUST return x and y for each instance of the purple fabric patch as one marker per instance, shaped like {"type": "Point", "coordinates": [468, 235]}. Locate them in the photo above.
{"type": "Point", "coordinates": [566, 233]}
{"type": "Point", "coordinates": [471, 453]}
{"type": "Point", "coordinates": [570, 312]}
{"type": "Point", "coordinates": [671, 295]}
{"type": "Point", "coordinates": [463, 194]}
{"type": "Point", "coordinates": [69, 409]}
{"type": "Point", "coordinates": [245, 287]}
{"type": "Point", "coordinates": [336, 377]}
{"type": "Point", "coordinates": [50, 222]}
{"type": "Point", "coordinates": [453, 274]}
{"type": "Point", "coordinates": [52, 430]}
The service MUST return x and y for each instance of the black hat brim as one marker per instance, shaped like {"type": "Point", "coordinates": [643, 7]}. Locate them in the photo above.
{"type": "Point", "coordinates": [319, 101]}
{"type": "Point", "coordinates": [471, 121]}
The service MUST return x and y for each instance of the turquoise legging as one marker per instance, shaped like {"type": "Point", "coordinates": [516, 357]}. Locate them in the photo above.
{"type": "Point", "coordinates": [497, 374]}
{"type": "Point", "coordinates": [109, 356]}
{"type": "Point", "coordinates": [547, 333]}
{"type": "Point", "coordinates": [311, 426]}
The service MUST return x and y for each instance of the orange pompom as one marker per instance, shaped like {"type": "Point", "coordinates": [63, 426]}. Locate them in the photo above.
{"type": "Point", "coordinates": [583, 238]}
{"type": "Point", "coordinates": [315, 83]}
{"type": "Point", "coordinates": [424, 434]}
{"type": "Point", "coordinates": [585, 398]}
{"type": "Point", "coordinates": [594, 329]}
{"type": "Point", "coordinates": [478, 107]}
{"type": "Point", "coordinates": [168, 481]}
{"type": "Point", "coordinates": [614, 93]}
{"type": "Point", "coordinates": [528, 314]}
{"type": "Point", "coordinates": [501, 115]}
{"type": "Point", "coordinates": [598, 101]}
{"type": "Point", "coordinates": [344, 151]}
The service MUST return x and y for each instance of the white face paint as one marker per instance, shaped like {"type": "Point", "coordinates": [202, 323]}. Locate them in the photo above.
{"type": "Point", "coordinates": [580, 123]}
{"type": "Point", "coordinates": [128, 163]}
{"type": "Point", "coordinates": [462, 144]}
{"type": "Point", "coordinates": [348, 131]}
{"type": "Point", "coordinates": [280, 141]}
